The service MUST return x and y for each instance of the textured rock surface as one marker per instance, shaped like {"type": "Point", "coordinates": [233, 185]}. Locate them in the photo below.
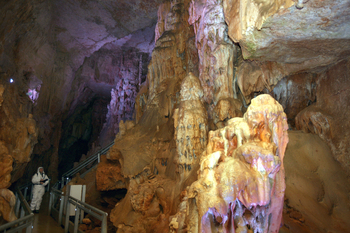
{"type": "Point", "coordinates": [217, 55]}
{"type": "Point", "coordinates": [190, 123]}
{"type": "Point", "coordinates": [18, 133]}
{"type": "Point", "coordinates": [241, 178]}
{"type": "Point", "coordinates": [317, 189]}
{"type": "Point", "coordinates": [295, 93]}
{"type": "Point", "coordinates": [329, 115]}
{"type": "Point", "coordinates": [174, 55]}
{"type": "Point", "coordinates": [274, 30]}
{"type": "Point", "coordinates": [108, 175]}
{"type": "Point", "coordinates": [7, 205]}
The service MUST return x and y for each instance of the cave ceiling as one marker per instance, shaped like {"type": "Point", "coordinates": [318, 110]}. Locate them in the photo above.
{"type": "Point", "coordinates": [318, 34]}
{"type": "Point", "coordinates": [100, 22]}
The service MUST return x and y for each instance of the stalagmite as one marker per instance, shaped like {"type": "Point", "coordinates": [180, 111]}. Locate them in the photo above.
{"type": "Point", "coordinates": [240, 186]}
{"type": "Point", "coordinates": [190, 123]}
{"type": "Point", "coordinates": [216, 54]}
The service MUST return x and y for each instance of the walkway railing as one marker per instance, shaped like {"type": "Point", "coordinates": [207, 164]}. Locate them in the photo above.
{"type": "Point", "coordinates": [63, 201]}
{"type": "Point", "coordinates": [66, 177]}
{"type": "Point", "coordinates": [60, 202]}
{"type": "Point", "coordinates": [24, 214]}
{"type": "Point", "coordinates": [26, 217]}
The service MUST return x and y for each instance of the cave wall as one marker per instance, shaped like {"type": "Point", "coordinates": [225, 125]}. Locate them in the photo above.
{"type": "Point", "coordinates": [43, 45]}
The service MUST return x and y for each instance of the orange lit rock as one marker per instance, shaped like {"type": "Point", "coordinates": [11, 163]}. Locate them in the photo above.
{"type": "Point", "coordinates": [329, 116]}
{"type": "Point", "coordinates": [109, 176]}
{"type": "Point", "coordinates": [190, 123]}
{"type": "Point", "coordinates": [7, 205]}
{"type": "Point", "coordinates": [5, 166]}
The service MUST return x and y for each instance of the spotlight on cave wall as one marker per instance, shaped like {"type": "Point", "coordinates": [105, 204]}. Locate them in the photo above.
{"type": "Point", "coordinates": [11, 80]}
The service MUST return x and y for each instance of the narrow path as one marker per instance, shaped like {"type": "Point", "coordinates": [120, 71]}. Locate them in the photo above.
{"type": "Point", "coordinates": [43, 223]}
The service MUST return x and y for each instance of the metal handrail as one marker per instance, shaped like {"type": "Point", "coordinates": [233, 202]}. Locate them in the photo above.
{"type": "Point", "coordinates": [89, 160]}
{"type": "Point", "coordinates": [80, 208]}
{"type": "Point", "coordinates": [99, 214]}
{"type": "Point", "coordinates": [67, 175]}
{"type": "Point", "coordinates": [24, 221]}
{"type": "Point", "coordinates": [22, 207]}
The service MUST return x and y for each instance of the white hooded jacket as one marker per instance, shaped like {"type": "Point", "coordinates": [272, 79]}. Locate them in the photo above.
{"type": "Point", "coordinates": [37, 177]}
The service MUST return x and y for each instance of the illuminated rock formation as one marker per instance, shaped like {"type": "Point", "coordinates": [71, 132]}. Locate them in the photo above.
{"type": "Point", "coordinates": [18, 134]}
{"type": "Point", "coordinates": [190, 123]}
{"type": "Point", "coordinates": [217, 55]}
{"type": "Point", "coordinates": [173, 57]}
{"type": "Point", "coordinates": [5, 166]}
{"type": "Point", "coordinates": [241, 183]}
{"type": "Point", "coordinates": [7, 205]}
{"type": "Point", "coordinates": [329, 116]}
{"type": "Point", "coordinates": [108, 175]}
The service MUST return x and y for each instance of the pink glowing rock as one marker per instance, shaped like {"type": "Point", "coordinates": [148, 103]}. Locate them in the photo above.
{"type": "Point", "coordinates": [241, 184]}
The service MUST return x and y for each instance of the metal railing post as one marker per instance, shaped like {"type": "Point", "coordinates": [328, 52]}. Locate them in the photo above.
{"type": "Point", "coordinates": [66, 223]}
{"type": "Point", "coordinates": [76, 220]}
{"type": "Point", "coordinates": [61, 210]}
{"type": "Point", "coordinates": [29, 228]}
{"type": "Point", "coordinates": [18, 205]}
{"type": "Point", "coordinates": [50, 202]}
{"type": "Point", "coordinates": [83, 192]}
{"type": "Point", "coordinates": [98, 158]}
{"type": "Point", "coordinates": [25, 193]}
{"type": "Point", "coordinates": [104, 224]}
{"type": "Point", "coordinates": [31, 193]}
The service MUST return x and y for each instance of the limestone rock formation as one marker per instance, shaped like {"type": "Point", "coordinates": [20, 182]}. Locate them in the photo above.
{"type": "Point", "coordinates": [18, 133]}
{"type": "Point", "coordinates": [328, 116]}
{"type": "Point", "coordinates": [316, 187]}
{"type": "Point", "coordinates": [108, 175]}
{"type": "Point", "coordinates": [277, 31]}
{"type": "Point", "coordinates": [240, 183]}
{"type": "Point", "coordinates": [173, 57]}
{"type": "Point", "coordinates": [190, 123]}
{"type": "Point", "coordinates": [295, 93]}
{"type": "Point", "coordinates": [5, 166]}
{"type": "Point", "coordinates": [7, 205]}
{"type": "Point", "coordinates": [217, 55]}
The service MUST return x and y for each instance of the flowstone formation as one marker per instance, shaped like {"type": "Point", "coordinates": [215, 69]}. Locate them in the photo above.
{"type": "Point", "coordinates": [240, 186]}
{"type": "Point", "coordinates": [217, 55]}
{"type": "Point", "coordinates": [190, 123]}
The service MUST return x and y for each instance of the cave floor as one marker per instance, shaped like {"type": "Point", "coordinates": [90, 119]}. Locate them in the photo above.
{"type": "Point", "coordinates": [43, 222]}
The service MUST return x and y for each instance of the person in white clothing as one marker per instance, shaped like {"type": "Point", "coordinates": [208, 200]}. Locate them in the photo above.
{"type": "Point", "coordinates": [39, 180]}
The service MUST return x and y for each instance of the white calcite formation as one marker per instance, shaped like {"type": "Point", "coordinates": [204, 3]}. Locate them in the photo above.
{"type": "Point", "coordinates": [240, 186]}
{"type": "Point", "coordinates": [190, 122]}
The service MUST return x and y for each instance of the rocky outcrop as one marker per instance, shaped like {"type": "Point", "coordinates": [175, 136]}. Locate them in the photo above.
{"type": "Point", "coordinates": [241, 178]}
{"type": "Point", "coordinates": [173, 57]}
{"type": "Point", "coordinates": [316, 187]}
{"type": "Point", "coordinates": [18, 133]}
{"type": "Point", "coordinates": [108, 175]}
{"type": "Point", "coordinates": [7, 205]}
{"type": "Point", "coordinates": [295, 93]}
{"type": "Point", "coordinates": [191, 126]}
{"type": "Point", "coordinates": [279, 32]}
{"type": "Point", "coordinates": [328, 116]}
{"type": "Point", "coordinates": [217, 55]}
